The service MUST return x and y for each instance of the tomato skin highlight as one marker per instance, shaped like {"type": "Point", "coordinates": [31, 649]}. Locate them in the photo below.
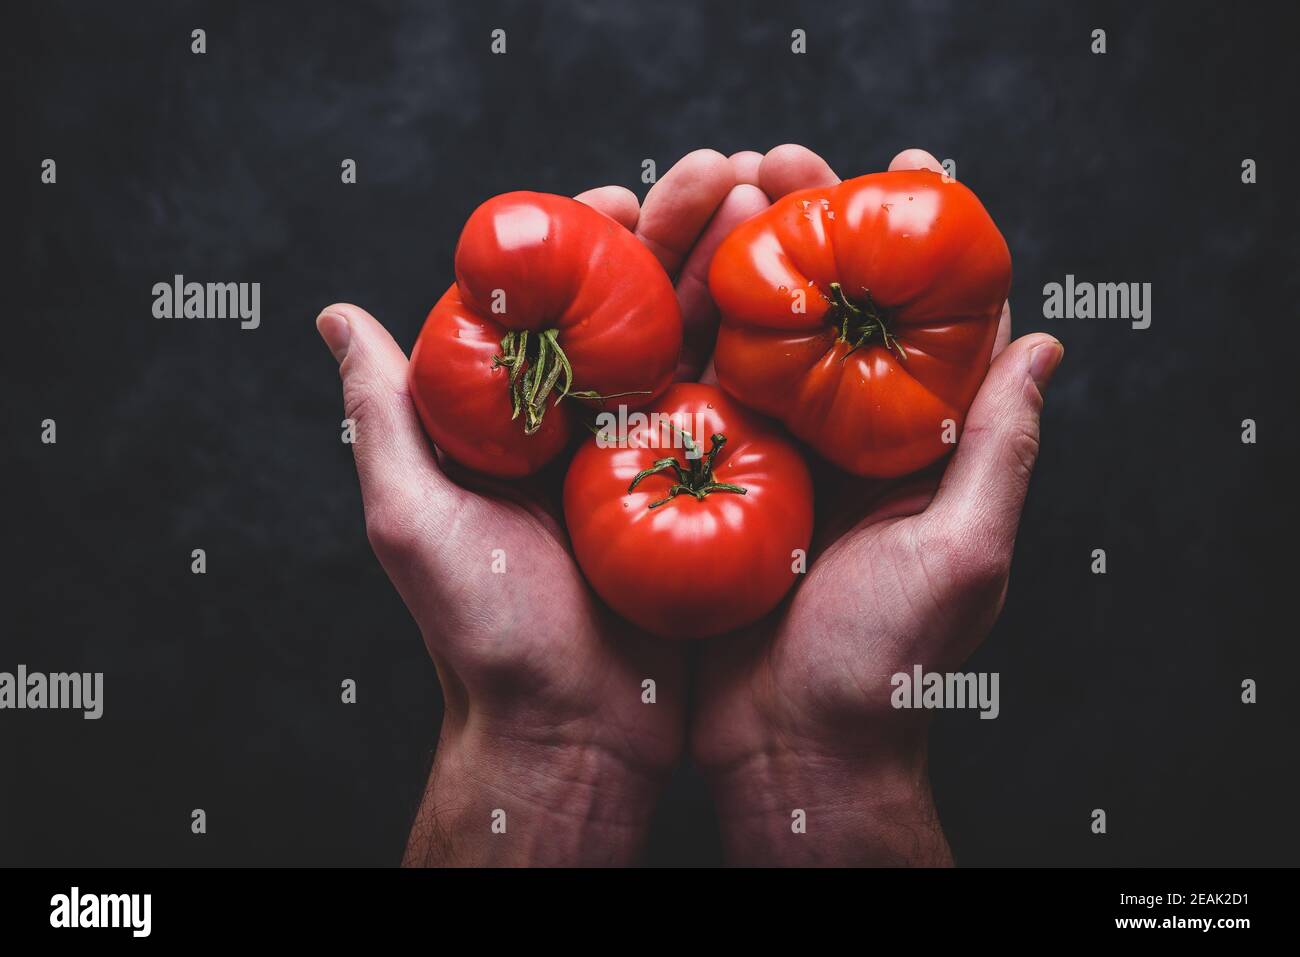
{"type": "Point", "coordinates": [915, 245]}
{"type": "Point", "coordinates": [536, 262]}
{"type": "Point", "coordinates": [691, 568]}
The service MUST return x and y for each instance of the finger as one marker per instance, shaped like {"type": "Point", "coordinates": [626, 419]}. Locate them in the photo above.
{"type": "Point", "coordinates": [791, 167]}
{"type": "Point", "coordinates": [983, 488]}
{"type": "Point", "coordinates": [744, 166]}
{"type": "Point", "coordinates": [680, 205]}
{"type": "Point", "coordinates": [699, 314]}
{"type": "Point", "coordinates": [395, 463]}
{"type": "Point", "coordinates": [616, 202]}
{"type": "Point", "coordinates": [915, 159]}
{"type": "Point", "coordinates": [1003, 337]}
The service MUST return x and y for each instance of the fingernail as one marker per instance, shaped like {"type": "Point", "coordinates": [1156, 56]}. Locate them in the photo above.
{"type": "Point", "coordinates": [1043, 362]}
{"type": "Point", "coordinates": [336, 332]}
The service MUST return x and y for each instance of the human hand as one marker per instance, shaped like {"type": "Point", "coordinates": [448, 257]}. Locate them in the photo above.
{"type": "Point", "coordinates": [795, 712]}
{"type": "Point", "coordinates": [544, 718]}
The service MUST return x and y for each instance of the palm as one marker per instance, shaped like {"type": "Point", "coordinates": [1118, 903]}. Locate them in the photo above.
{"type": "Point", "coordinates": [528, 628]}
{"type": "Point", "coordinates": [872, 604]}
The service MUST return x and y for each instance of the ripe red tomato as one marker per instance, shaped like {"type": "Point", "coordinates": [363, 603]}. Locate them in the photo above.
{"type": "Point", "coordinates": [554, 304]}
{"type": "Point", "coordinates": [697, 539]}
{"type": "Point", "coordinates": [863, 315]}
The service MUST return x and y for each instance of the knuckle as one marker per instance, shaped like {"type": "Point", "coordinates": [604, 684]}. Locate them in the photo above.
{"type": "Point", "coordinates": [390, 532]}
{"type": "Point", "coordinates": [968, 566]}
{"type": "Point", "coordinates": [1022, 450]}
{"type": "Point", "coordinates": [358, 397]}
{"type": "Point", "coordinates": [980, 573]}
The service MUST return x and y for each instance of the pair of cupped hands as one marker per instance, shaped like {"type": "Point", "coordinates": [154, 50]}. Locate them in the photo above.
{"type": "Point", "coordinates": [550, 751]}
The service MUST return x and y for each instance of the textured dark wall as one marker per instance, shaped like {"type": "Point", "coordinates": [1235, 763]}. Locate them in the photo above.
{"type": "Point", "coordinates": [222, 690]}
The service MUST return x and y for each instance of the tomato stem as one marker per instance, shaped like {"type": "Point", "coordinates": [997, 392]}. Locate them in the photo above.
{"type": "Point", "coordinates": [859, 323]}
{"type": "Point", "coordinates": [696, 478]}
{"type": "Point", "coordinates": [535, 365]}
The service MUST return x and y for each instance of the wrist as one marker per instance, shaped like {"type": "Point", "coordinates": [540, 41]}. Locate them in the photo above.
{"type": "Point", "coordinates": [806, 807]}
{"type": "Point", "coordinates": [497, 797]}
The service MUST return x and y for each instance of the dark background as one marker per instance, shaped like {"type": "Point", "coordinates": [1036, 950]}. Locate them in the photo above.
{"type": "Point", "coordinates": [222, 691]}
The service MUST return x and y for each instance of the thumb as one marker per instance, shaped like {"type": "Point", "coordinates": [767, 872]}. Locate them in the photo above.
{"type": "Point", "coordinates": [396, 465]}
{"type": "Point", "coordinates": [984, 486]}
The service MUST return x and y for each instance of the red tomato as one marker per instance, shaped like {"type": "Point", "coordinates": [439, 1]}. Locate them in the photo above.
{"type": "Point", "coordinates": [553, 301]}
{"type": "Point", "coordinates": [682, 544]}
{"type": "Point", "coordinates": [863, 315]}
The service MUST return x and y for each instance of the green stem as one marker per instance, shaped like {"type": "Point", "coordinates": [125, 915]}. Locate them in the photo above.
{"type": "Point", "coordinates": [536, 366]}
{"type": "Point", "coordinates": [860, 323]}
{"type": "Point", "coordinates": [696, 478]}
